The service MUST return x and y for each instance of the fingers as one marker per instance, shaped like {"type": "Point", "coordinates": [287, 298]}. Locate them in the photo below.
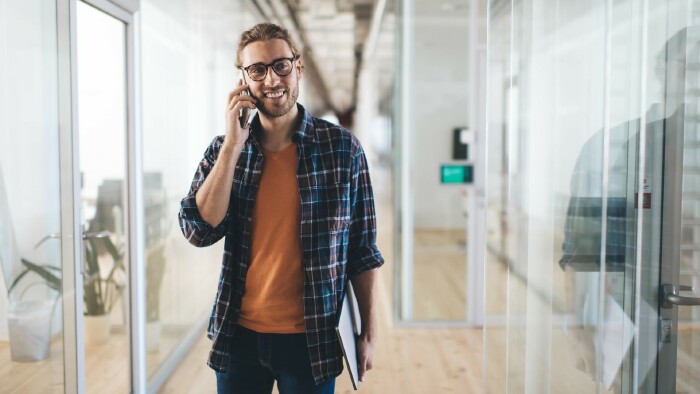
{"type": "Point", "coordinates": [361, 369]}
{"type": "Point", "coordinates": [243, 104]}
{"type": "Point", "coordinates": [363, 366]}
{"type": "Point", "coordinates": [236, 92]}
{"type": "Point", "coordinates": [238, 99]}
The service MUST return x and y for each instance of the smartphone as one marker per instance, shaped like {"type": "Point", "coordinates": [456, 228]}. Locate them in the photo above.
{"type": "Point", "coordinates": [245, 115]}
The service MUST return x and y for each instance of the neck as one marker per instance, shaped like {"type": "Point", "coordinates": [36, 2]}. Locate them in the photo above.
{"type": "Point", "coordinates": [277, 132]}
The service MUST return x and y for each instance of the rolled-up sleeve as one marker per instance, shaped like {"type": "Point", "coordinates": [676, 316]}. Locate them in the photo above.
{"type": "Point", "coordinates": [363, 254]}
{"type": "Point", "coordinates": [197, 231]}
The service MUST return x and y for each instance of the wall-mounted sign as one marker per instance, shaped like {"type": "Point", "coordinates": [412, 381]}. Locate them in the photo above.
{"type": "Point", "coordinates": [456, 173]}
{"type": "Point", "coordinates": [461, 139]}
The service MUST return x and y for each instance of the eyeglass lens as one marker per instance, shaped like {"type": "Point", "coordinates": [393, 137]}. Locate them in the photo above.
{"type": "Point", "coordinates": [258, 71]}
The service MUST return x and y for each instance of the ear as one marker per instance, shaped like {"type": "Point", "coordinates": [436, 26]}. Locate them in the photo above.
{"type": "Point", "coordinates": [300, 67]}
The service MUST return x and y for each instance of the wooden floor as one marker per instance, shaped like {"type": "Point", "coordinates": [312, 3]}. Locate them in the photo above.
{"type": "Point", "coordinates": [440, 281]}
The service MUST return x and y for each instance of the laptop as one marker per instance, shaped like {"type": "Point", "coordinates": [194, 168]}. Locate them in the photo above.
{"type": "Point", "coordinates": [348, 329]}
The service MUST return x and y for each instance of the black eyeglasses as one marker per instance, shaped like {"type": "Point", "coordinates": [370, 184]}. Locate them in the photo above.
{"type": "Point", "coordinates": [281, 67]}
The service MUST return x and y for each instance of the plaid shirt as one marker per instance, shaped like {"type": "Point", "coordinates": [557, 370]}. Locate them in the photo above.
{"type": "Point", "coordinates": [338, 233]}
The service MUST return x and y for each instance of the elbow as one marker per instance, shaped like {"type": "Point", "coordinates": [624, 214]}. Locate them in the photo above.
{"type": "Point", "coordinates": [192, 234]}
{"type": "Point", "coordinates": [196, 239]}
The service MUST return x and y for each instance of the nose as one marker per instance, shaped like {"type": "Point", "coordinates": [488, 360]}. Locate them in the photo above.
{"type": "Point", "coordinates": [271, 79]}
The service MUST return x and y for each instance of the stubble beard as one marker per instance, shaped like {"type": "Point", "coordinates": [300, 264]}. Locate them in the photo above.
{"type": "Point", "coordinates": [273, 111]}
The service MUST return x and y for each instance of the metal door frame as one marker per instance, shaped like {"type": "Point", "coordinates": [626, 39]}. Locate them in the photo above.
{"type": "Point", "coordinates": [128, 12]}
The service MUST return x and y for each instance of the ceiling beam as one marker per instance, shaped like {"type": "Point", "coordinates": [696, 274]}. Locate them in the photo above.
{"type": "Point", "coordinates": [374, 28]}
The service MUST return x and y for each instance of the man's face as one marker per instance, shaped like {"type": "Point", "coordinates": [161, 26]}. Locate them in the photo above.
{"type": "Point", "coordinates": [276, 94]}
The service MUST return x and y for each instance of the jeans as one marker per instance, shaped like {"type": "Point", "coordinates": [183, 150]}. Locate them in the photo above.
{"type": "Point", "coordinates": [257, 360]}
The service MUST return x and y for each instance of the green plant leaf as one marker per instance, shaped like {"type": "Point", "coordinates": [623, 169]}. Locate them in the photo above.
{"type": "Point", "coordinates": [17, 279]}
{"type": "Point", "coordinates": [44, 271]}
{"type": "Point", "coordinates": [53, 281]}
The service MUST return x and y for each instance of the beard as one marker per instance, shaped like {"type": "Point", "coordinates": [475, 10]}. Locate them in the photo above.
{"type": "Point", "coordinates": [275, 109]}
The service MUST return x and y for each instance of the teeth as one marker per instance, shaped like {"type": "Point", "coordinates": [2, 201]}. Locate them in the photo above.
{"type": "Point", "coordinates": [274, 95]}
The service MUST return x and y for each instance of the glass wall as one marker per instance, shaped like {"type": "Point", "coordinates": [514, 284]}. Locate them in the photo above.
{"type": "Point", "coordinates": [437, 152]}
{"type": "Point", "coordinates": [584, 99]}
{"type": "Point", "coordinates": [102, 135]}
{"type": "Point", "coordinates": [188, 64]}
{"type": "Point", "coordinates": [31, 343]}
{"type": "Point", "coordinates": [188, 55]}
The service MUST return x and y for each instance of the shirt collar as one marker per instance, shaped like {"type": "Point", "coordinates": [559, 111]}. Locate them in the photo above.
{"type": "Point", "coordinates": [306, 132]}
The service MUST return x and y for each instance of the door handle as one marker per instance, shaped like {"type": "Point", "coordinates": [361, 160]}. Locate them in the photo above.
{"type": "Point", "coordinates": [97, 234]}
{"type": "Point", "coordinates": [669, 297]}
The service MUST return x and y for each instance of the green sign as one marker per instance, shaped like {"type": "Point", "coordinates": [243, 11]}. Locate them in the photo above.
{"type": "Point", "coordinates": [456, 174]}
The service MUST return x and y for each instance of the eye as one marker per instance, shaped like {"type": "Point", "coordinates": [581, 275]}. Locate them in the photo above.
{"type": "Point", "coordinates": [283, 67]}
{"type": "Point", "coordinates": [256, 70]}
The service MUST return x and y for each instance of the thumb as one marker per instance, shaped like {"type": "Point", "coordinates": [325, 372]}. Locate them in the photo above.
{"type": "Point", "coordinates": [361, 369]}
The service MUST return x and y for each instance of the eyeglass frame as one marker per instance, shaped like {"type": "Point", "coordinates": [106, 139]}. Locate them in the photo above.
{"type": "Point", "coordinates": [267, 66]}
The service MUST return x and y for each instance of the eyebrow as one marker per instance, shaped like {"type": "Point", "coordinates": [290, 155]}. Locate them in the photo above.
{"type": "Point", "coordinates": [272, 62]}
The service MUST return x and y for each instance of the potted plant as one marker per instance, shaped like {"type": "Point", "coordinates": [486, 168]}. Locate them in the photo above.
{"type": "Point", "coordinates": [103, 283]}
{"type": "Point", "coordinates": [100, 291]}
{"type": "Point", "coordinates": [29, 321]}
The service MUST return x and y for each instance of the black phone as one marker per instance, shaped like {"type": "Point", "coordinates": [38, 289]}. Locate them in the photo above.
{"type": "Point", "coordinates": [245, 115]}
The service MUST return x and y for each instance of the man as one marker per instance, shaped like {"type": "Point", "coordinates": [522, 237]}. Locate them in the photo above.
{"type": "Point", "coordinates": [293, 198]}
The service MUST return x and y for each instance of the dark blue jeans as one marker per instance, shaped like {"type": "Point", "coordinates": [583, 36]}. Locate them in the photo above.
{"type": "Point", "coordinates": [257, 360]}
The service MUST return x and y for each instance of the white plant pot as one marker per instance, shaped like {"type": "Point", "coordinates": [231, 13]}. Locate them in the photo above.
{"type": "Point", "coordinates": [153, 336]}
{"type": "Point", "coordinates": [97, 329]}
{"type": "Point", "coordinates": [29, 324]}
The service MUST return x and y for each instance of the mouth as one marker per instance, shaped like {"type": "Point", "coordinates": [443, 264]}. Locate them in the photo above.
{"type": "Point", "coordinates": [275, 94]}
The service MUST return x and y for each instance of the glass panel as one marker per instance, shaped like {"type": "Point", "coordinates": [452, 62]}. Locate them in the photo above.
{"type": "Point", "coordinates": [688, 350]}
{"type": "Point", "coordinates": [498, 238]}
{"type": "Point", "coordinates": [437, 126]}
{"type": "Point", "coordinates": [101, 56]}
{"type": "Point", "coordinates": [576, 112]}
{"type": "Point", "coordinates": [31, 341]}
{"type": "Point", "coordinates": [188, 71]}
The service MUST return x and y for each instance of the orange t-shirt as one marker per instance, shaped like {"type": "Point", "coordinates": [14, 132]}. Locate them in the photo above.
{"type": "Point", "coordinates": [273, 299]}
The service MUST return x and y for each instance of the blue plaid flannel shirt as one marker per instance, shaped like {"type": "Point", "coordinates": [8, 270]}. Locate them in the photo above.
{"type": "Point", "coordinates": [338, 233]}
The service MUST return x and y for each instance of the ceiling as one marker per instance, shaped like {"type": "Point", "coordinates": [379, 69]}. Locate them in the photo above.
{"type": "Point", "coordinates": [333, 34]}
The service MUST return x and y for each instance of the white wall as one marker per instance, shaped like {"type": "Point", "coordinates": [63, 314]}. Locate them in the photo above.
{"type": "Point", "coordinates": [440, 103]}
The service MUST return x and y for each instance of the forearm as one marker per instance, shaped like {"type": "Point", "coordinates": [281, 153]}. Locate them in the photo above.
{"type": "Point", "coordinates": [364, 285]}
{"type": "Point", "coordinates": [214, 195]}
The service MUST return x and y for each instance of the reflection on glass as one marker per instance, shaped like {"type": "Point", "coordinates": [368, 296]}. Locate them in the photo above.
{"type": "Point", "coordinates": [31, 324]}
{"type": "Point", "coordinates": [688, 358]}
{"type": "Point", "coordinates": [578, 161]}
{"type": "Point", "coordinates": [183, 80]}
{"type": "Point", "coordinates": [101, 55]}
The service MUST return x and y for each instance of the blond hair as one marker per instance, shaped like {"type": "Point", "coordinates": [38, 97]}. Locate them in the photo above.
{"type": "Point", "coordinates": [264, 32]}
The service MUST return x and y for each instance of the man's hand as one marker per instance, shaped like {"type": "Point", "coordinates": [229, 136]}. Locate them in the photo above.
{"type": "Point", "coordinates": [363, 284]}
{"type": "Point", "coordinates": [235, 134]}
{"type": "Point", "coordinates": [365, 353]}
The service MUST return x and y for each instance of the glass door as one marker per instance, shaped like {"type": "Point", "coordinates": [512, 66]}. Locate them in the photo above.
{"type": "Point", "coordinates": [679, 292]}
{"type": "Point", "coordinates": [102, 125]}
{"type": "Point", "coordinates": [439, 182]}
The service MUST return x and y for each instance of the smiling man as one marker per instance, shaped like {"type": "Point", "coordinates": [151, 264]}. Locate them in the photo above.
{"type": "Point", "coordinates": [291, 194]}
